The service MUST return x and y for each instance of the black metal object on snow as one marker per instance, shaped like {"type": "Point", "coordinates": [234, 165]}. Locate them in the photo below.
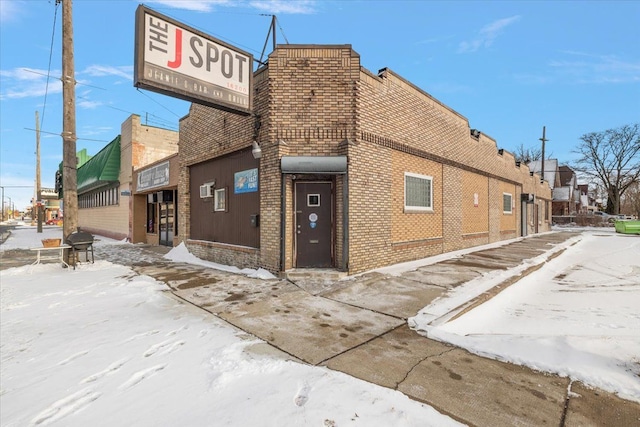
{"type": "Point", "coordinates": [81, 241]}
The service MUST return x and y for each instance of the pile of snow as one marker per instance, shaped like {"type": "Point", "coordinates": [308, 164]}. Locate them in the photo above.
{"type": "Point", "coordinates": [578, 316]}
{"type": "Point", "coordinates": [180, 253]}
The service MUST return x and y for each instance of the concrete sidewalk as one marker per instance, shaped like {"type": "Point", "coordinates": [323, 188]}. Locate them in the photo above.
{"type": "Point", "coordinates": [359, 326]}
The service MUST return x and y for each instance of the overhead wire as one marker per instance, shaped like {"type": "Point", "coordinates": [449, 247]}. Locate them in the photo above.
{"type": "Point", "coordinates": [46, 89]}
{"type": "Point", "coordinates": [58, 134]}
{"type": "Point", "coordinates": [166, 122]}
{"type": "Point", "coordinates": [281, 30]}
{"type": "Point", "coordinates": [138, 89]}
{"type": "Point", "coordinates": [156, 119]}
{"type": "Point", "coordinates": [218, 36]}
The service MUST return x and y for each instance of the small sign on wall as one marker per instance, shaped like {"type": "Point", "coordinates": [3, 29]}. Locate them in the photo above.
{"type": "Point", "coordinates": [245, 181]}
{"type": "Point", "coordinates": [156, 176]}
{"type": "Point", "coordinates": [475, 200]}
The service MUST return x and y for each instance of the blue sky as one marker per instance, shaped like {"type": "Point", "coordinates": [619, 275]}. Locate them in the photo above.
{"type": "Point", "coordinates": [509, 67]}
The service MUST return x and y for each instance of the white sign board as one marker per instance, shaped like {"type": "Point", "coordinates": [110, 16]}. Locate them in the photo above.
{"type": "Point", "coordinates": [179, 61]}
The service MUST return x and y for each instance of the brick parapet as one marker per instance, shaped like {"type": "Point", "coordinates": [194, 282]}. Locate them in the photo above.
{"type": "Point", "coordinates": [318, 101]}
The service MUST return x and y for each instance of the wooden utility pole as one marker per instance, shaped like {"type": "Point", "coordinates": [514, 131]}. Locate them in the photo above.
{"type": "Point", "coordinates": [543, 139]}
{"type": "Point", "coordinates": [69, 162]}
{"type": "Point", "coordinates": [37, 204]}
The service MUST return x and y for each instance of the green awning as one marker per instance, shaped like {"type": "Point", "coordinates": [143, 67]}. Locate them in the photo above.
{"type": "Point", "coordinates": [102, 169]}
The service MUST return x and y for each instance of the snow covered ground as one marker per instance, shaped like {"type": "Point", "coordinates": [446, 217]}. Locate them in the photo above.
{"type": "Point", "coordinates": [101, 345]}
{"type": "Point", "coordinates": [578, 316]}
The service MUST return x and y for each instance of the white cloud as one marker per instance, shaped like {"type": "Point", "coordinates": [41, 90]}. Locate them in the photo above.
{"type": "Point", "coordinates": [26, 83]}
{"type": "Point", "coordinates": [9, 9]}
{"type": "Point", "coordinates": [284, 6]}
{"type": "Point", "coordinates": [589, 68]}
{"type": "Point", "coordinates": [584, 68]}
{"type": "Point", "coordinates": [31, 82]}
{"type": "Point", "coordinates": [195, 5]}
{"type": "Point", "coordinates": [106, 70]}
{"type": "Point", "coordinates": [434, 40]}
{"type": "Point", "coordinates": [89, 131]}
{"type": "Point", "coordinates": [89, 105]}
{"type": "Point", "coordinates": [487, 35]}
{"type": "Point", "coordinates": [271, 6]}
{"type": "Point", "coordinates": [22, 74]}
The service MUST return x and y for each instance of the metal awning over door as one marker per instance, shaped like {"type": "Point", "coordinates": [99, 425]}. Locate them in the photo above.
{"type": "Point", "coordinates": [325, 165]}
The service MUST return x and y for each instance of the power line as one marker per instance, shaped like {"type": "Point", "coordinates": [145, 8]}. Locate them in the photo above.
{"type": "Point", "coordinates": [57, 134]}
{"type": "Point", "coordinates": [60, 78]}
{"type": "Point", "coordinates": [218, 36]}
{"type": "Point", "coordinates": [46, 90]}
{"type": "Point", "coordinates": [166, 122]}
{"type": "Point", "coordinates": [138, 89]}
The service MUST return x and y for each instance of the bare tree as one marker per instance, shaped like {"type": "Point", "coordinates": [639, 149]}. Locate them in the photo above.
{"type": "Point", "coordinates": [631, 201]}
{"type": "Point", "coordinates": [527, 155]}
{"type": "Point", "coordinates": [611, 158]}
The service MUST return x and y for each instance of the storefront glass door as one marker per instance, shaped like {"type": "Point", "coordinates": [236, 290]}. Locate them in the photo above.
{"type": "Point", "coordinates": [166, 228]}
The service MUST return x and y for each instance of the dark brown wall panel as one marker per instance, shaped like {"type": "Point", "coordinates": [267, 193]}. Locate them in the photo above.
{"type": "Point", "coordinates": [234, 225]}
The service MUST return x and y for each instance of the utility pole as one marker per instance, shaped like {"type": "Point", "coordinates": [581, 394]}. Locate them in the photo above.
{"type": "Point", "coordinates": [69, 162]}
{"type": "Point", "coordinates": [543, 139]}
{"type": "Point", "coordinates": [38, 189]}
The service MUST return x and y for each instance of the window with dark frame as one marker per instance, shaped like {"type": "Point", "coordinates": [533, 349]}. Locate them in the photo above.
{"type": "Point", "coordinates": [313, 200]}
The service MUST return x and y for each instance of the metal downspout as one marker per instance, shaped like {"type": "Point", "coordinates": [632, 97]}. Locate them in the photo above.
{"type": "Point", "coordinates": [283, 206]}
{"type": "Point", "coordinates": [345, 221]}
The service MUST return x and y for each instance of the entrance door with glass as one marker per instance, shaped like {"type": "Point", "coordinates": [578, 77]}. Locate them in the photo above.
{"type": "Point", "coordinates": [166, 224]}
{"type": "Point", "coordinates": [314, 224]}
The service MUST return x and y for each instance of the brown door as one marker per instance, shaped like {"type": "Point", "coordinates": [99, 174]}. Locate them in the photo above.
{"type": "Point", "coordinates": [314, 224]}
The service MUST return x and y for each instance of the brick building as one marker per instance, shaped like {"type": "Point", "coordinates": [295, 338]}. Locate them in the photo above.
{"type": "Point", "coordinates": [155, 203]}
{"type": "Point", "coordinates": [357, 171]}
{"type": "Point", "coordinates": [105, 181]}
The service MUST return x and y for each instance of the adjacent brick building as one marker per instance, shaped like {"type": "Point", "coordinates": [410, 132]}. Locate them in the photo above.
{"type": "Point", "coordinates": [357, 171]}
{"type": "Point", "coordinates": [106, 182]}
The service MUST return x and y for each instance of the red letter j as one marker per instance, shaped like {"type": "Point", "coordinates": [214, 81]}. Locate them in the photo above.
{"type": "Point", "coordinates": [178, 59]}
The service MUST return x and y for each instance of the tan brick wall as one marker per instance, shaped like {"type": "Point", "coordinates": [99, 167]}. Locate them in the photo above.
{"type": "Point", "coordinates": [414, 226]}
{"type": "Point", "coordinates": [302, 112]}
{"type": "Point", "coordinates": [395, 114]}
{"type": "Point", "coordinates": [475, 217]}
{"type": "Point", "coordinates": [317, 100]}
{"type": "Point", "coordinates": [508, 222]}
{"type": "Point", "coordinates": [452, 211]}
{"type": "Point", "coordinates": [239, 256]}
{"type": "Point", "coordinates": [369, 206]}
{"type": "Point", "coordinates": [108, 221]}
{"type": "Point", "coordinates": [139, 145]}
